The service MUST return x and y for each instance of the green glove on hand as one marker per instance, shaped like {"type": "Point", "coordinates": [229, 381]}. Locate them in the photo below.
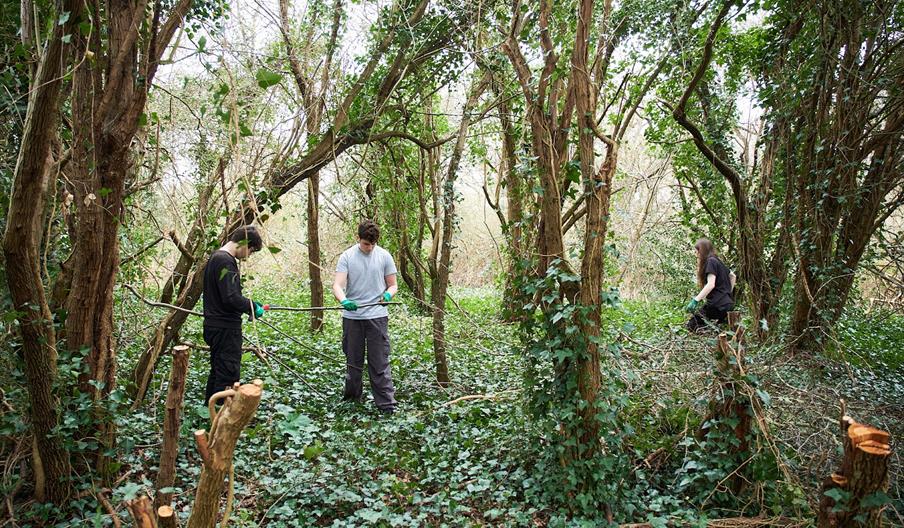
{"type": "Point", "coordinates": [692, 306]}
{"type": "Point", "coordinates": [258, 310]}
{"type": "Point", "coordinates": [349, 305]}
{"type": "Point", "coordinates": [387, 296]}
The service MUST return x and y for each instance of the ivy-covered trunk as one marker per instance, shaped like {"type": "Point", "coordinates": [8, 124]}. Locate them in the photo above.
{"type": "Point", "coordinates": [848, 152]}
{"type": "Point", "coordinates": [21, 241]}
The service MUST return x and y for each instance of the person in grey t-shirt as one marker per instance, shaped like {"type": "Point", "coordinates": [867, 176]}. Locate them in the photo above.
{"type": "Point", "coordinates": [366, 274]}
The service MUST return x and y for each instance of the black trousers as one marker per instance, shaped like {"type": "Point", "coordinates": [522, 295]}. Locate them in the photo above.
{"type": "Point", "coordinates": [368, 337]}
{"type": "Point", "coordinates": [706, 316]}
{"type": "Point", "coordinates": [225, 358]}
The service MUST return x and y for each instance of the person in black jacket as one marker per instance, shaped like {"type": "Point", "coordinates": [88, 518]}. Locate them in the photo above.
{"type": "Point", "coordinates": [224, 306]}
{"type": "Point", "coordinates": [716, 283]}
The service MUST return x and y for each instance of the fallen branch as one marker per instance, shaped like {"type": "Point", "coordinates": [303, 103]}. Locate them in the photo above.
{"type": "Point", "coordinates": [489, 396]}
{"type": "Point", "coordinates": [736, 522]}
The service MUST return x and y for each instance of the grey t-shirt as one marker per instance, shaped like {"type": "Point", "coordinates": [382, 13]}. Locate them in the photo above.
{"type": "Point", "coordinates": [366, 279]}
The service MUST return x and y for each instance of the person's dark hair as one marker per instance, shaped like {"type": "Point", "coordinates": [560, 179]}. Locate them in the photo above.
{"type": "Point", "coordinates": [249, 235]}
{"type": "Point", "coordinates": [367, 230]}
{"type": "Point", "coordinates": [704, 250]}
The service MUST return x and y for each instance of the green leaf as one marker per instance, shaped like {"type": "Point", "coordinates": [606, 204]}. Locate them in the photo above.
{"type": "Point", "coordinates": [314, 450]}
{"type": "Point", "coordinates": [266, 78]}
{"type": "Point", "coordinates": [64, 17]}
{"type": "Point", "coordinates": [202, 42]}
{"type": "Point", "coordinates": [128, 491]}
{"type": "Point", "coordinates": [142, 119]}
{"type": "Point", "coordinates": [874, 500]}
{"type": "Point", "coordinates": [837, 494]}
{"type": "Point", "coordinates": [246, 357]}
{"type": "Point", "coordinates": [244, 131]}
{"type": "Point", "coordinates": [273, 249]}
{"type": "Point", "coordinates": [104, 191]}
{"type": "Point", "coordinates": [66, 39]}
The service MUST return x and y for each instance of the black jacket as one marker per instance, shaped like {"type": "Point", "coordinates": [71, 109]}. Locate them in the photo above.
{"type": "Point", "coordinates": [224, 303]}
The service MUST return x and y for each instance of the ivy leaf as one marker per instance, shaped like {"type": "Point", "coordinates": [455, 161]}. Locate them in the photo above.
{"type": "Point", "coordinates": [838, 494]}
{"type": "Point", "coordinates": [64, 17]}
{"type": "Point", "coordinates": [273, 249]}
{"type": "Point", "coordinates": [129, 491]}
{"type": "Point", "coordinates": [266, 78]}
{"type": "Point", "coordinates": [874, 500]}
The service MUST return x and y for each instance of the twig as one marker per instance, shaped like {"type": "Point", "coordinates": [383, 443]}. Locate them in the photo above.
{"type": "Point", "coordinates": [490, 396]}
{"type": "Point", "coordinates": [160, 304]}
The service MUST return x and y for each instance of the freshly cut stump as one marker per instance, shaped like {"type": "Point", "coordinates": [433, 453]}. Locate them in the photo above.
{"type": "Point", "coordinates": [863, 475]}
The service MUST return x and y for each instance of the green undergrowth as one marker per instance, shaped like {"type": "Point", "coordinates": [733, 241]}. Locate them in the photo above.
{"type": "Point", "coordinates": [310, 459]}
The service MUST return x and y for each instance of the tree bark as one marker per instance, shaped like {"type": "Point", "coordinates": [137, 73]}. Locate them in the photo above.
{"type": "Point", "coordinates": [142, 513]}
{"type": "Point", "coordinates": [172, 422]}
{"type": "Point", "coordinates": [514, 194]}
{"type": "Point", "coordinates": [20, 248]}
{"type": "Point", "coordinates": [441, 279]}
{"type": "Point", "coordinates": [597, 188]}
{"type": "Point", "coordinates": [863, 473]}
{"type": "Point", "coordinates": [224, 434]}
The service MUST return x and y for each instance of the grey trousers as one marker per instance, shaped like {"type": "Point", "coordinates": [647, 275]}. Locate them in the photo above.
{"type": "Point", "coordinates": [372, 336]}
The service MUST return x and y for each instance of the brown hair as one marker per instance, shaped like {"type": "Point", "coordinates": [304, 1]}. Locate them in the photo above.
{"type": "Point", "coordinates": [367, 230]}
{"type": "Point", "coordinates": [248, 235]}
{"type": "Point", "coordinates": [704, 250]}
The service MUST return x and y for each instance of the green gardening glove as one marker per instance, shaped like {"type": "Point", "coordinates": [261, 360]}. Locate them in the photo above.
{"type": "Point", "coordinates": [387, 296]}
{"type": "Point", "coordinates": [349, 305]}
{"type": "Point", "coordinates": [258, 310]}
{"type": "Point", "coordinates": [692, 306]}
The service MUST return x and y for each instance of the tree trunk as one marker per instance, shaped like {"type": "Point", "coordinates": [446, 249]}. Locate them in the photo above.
{"type": "Point", "coordinates": [314, 261]}
{"type": "Point", "coordinates": [22, 259]}
{"type": "Point", "coordinates": [441, 280]}
{"type": "Point", "coordinates": [863, 474]}
{"type": "Point", "coordinates": [224, 434]}
{"type": "Point", "coordinates": [597, 188]}
{"type": "Point", "coordinates": [172, 422]}
{"type": "Point", "coordinates": [512, 228]}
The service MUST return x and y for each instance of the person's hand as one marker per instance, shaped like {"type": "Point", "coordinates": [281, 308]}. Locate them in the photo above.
{"type": "Point", "coordinates": [387, 296]}
{"type": "Point", "coordinates": [349, 305]}
{"type": "Point", "coordinates": [692, 306]}
{"type": "Point", "coordinates": [258, 310]}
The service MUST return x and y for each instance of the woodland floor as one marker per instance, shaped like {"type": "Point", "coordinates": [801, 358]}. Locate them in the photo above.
{"type": "Point", "coordinates": [309, 459]}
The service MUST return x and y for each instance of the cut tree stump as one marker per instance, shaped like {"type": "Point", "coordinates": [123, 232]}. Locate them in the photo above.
{"type": "Point", "coordinates": [166, 517]}
{"type": "Point", "coordinates": [142, 512]}
{"type": "Point", "coordinates": [225, 429]}
{"type": "Point", "coordinates": [172, 422]}
{"type": "Point", "coordinates": [863, 475]}
{"type": "Point", "coordinates": [729, 402]}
